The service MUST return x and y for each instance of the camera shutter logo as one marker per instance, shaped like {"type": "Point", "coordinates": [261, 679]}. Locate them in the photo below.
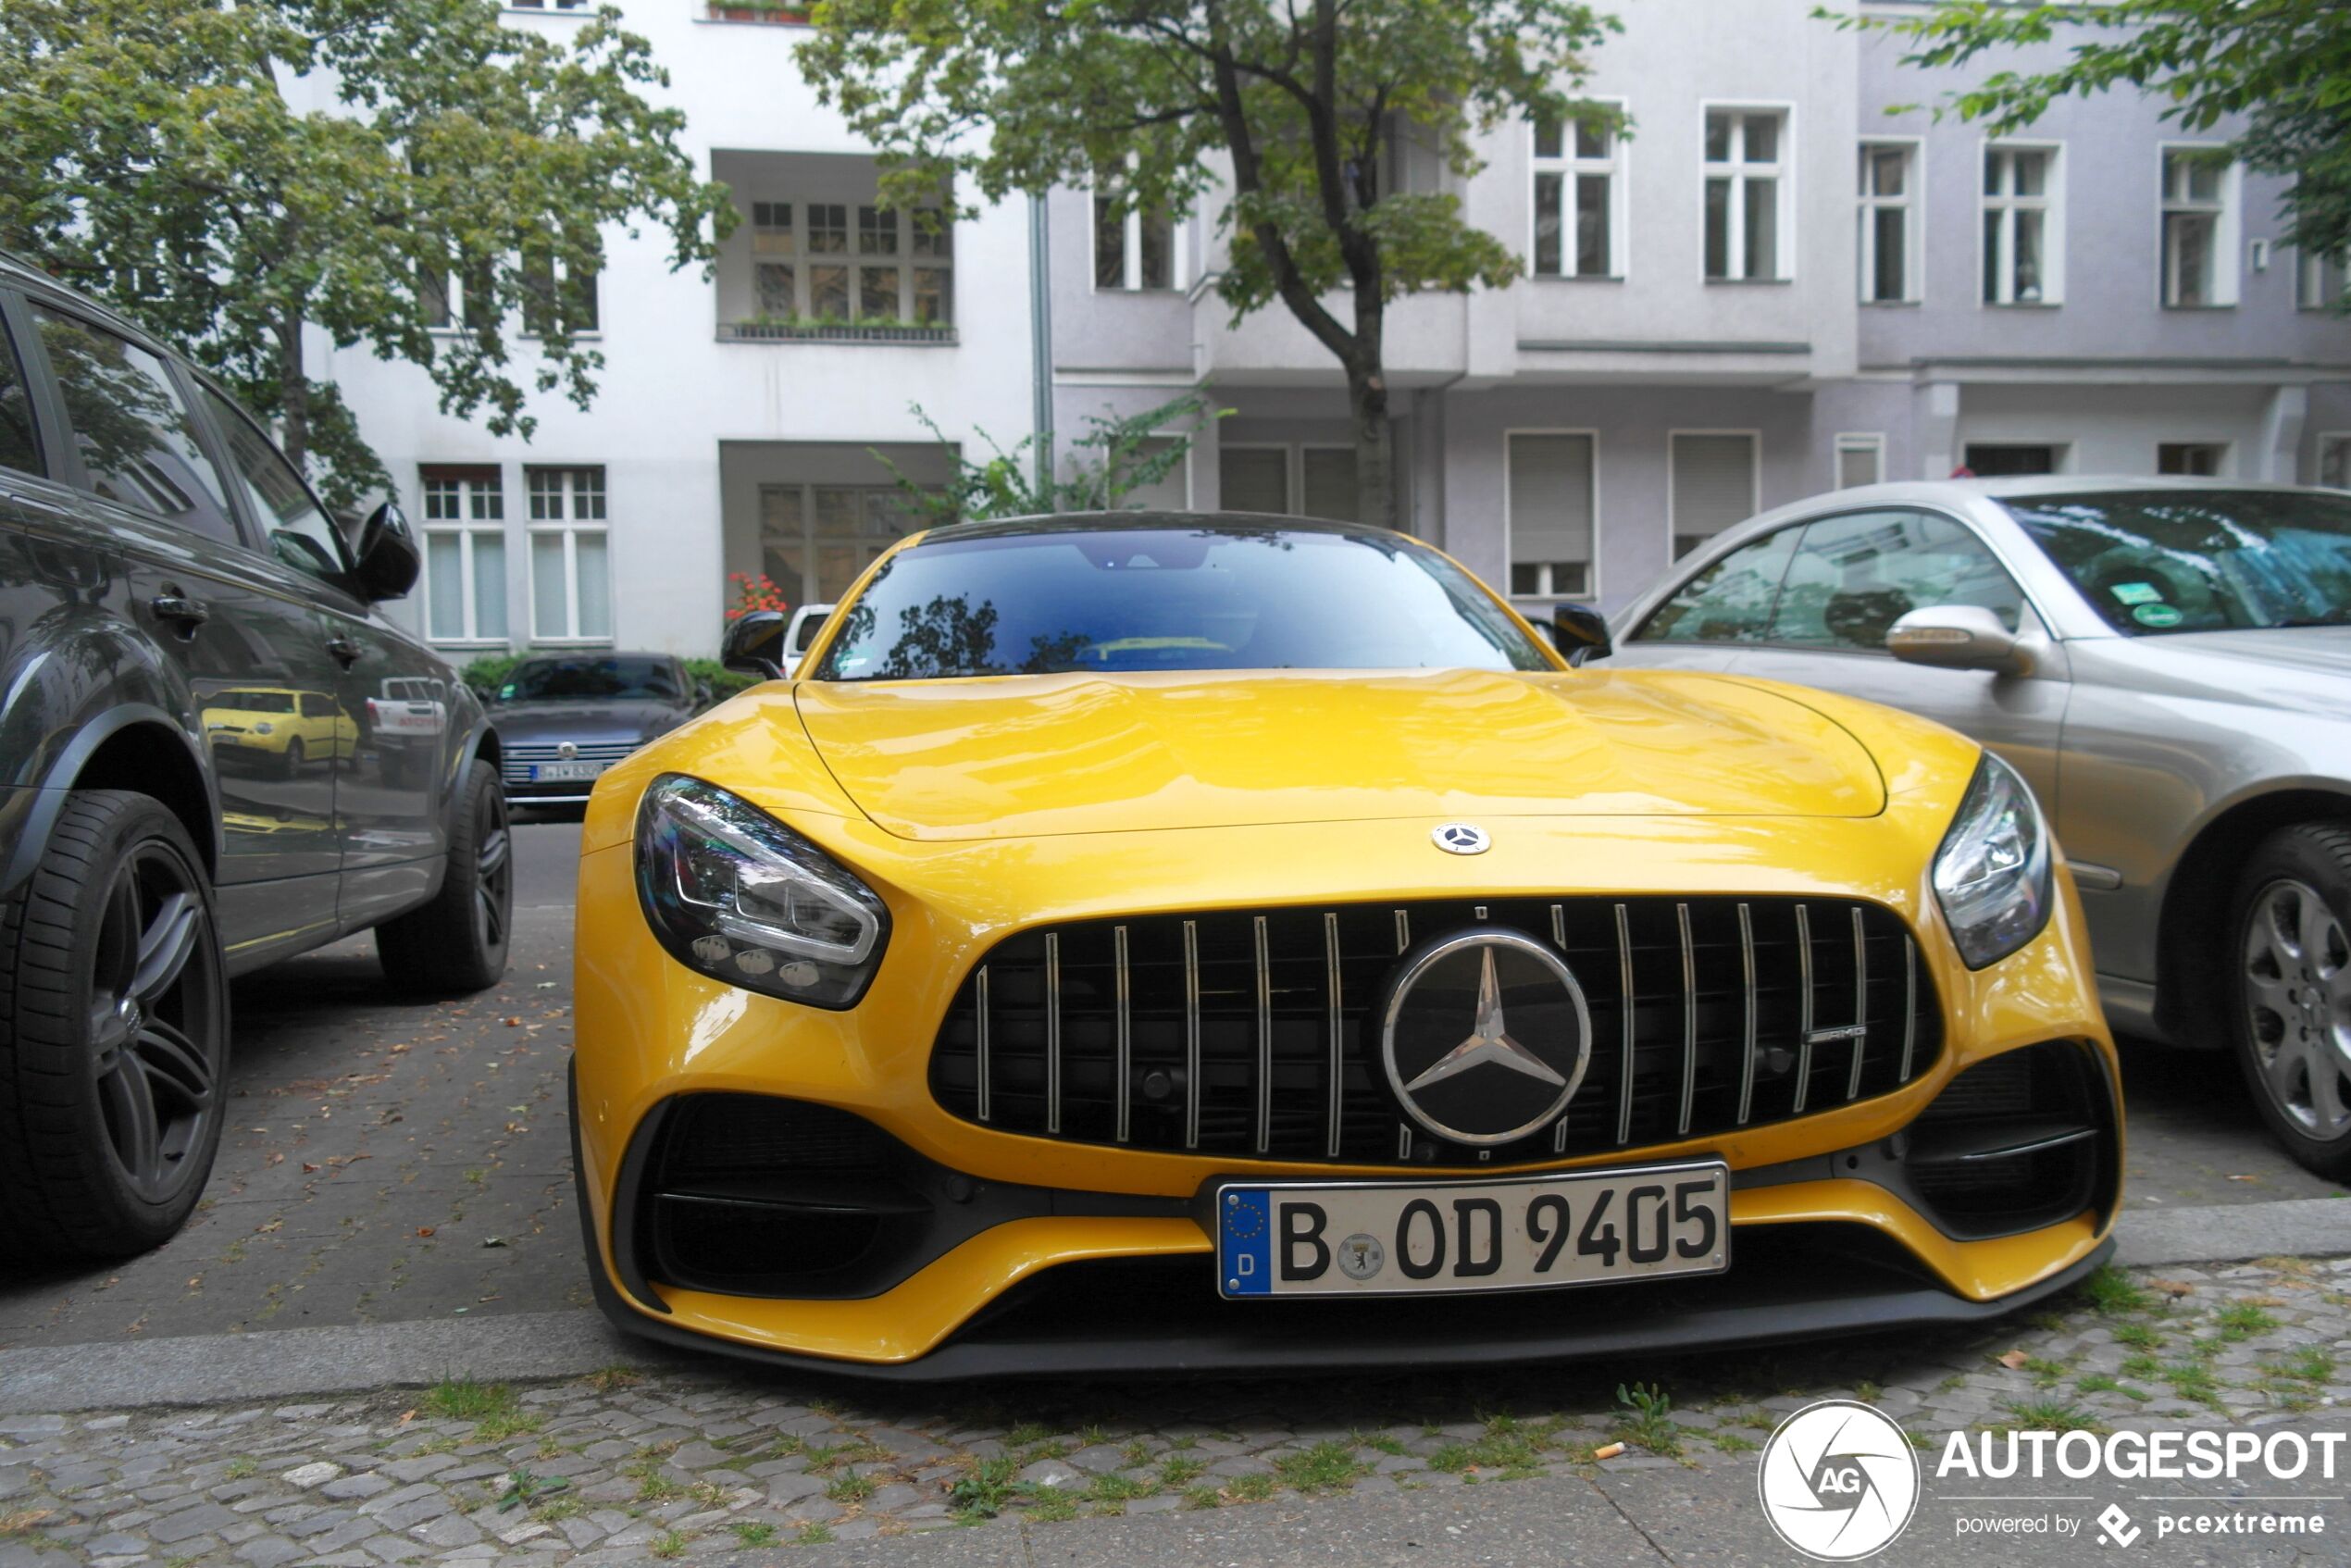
{"type": "Point", "coordinates": [1839, 1481]}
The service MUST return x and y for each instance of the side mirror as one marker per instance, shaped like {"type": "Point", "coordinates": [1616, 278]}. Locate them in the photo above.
{"type": "Point", "coordinates": [1958, 636]}
{"type": "Point", "coordinates": [1579, 632]}
{"type": "Point", "coordinates": [754, 644]}
{"type": "Point", "coordinates": [388, 558]}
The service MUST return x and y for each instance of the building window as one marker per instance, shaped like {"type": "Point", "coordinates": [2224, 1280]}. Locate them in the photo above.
{"type": "Point", "coordinates": [895, 268]}
{"type": "Point", "coordinates": [1253, 478]}
{"type": "Point", "coordinates": [1579, 225]}
{"type": "Point", "coordinates": [1289, 480]}
{"type": "Point", "coordinates": [2023, 217]}
{"type": "Point", "coordinates": [815, 540]}
{"type": "Point", "coordinates": [556, 296]}
{"type": "Point", "coordinates": [571, 566]}
{"type": "Point", "coordinates": [1747, 196]}
{"type": "Point", "coordinates": [2202, 459]}
{"type": "Point", "coordinates": [1993, 460]}
{"type": "Point", "coordinates": [2199, 229]}
{"type": "Point", "coordinates": [2321, 280]}
{"type": "Point", "coordinates": [464, 536]}
{"type": "Point", "coordinates": [1133, 250]}
{"type": "Point", "coordinates": [2334, 460]}
{"type": "Point", "coordinates": [1861, 459]}
{"type": "Point", "coordinates": [446, 295]}
{"type": "Point", "coordinates": [1712, 481]}
{"type": "Point", "coordinates": [1891, 256]}
{"type": "Point", "coordinates": [1547, 507]}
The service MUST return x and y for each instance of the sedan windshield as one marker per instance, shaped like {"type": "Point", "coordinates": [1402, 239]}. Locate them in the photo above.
{"type": "Point", "coordinates": [1169, 596]}
{"type": "Point", "coordinates": [2200, 560]}
{"type": "Point", "coordinates": [589, 680]}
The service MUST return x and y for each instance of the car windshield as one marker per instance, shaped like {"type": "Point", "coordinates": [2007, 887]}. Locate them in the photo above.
{"type": "Point", "coordinates": [1190, 595]}
{"type": "Point", "coordinates": [2200, 560]}
{"type": "Point", "coordinates": [257, 702]}
{"type": "Point", "coordinates": [589, 679]}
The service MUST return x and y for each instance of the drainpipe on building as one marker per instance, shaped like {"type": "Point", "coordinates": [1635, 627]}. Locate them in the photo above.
{"type": "Point", "coordinates": [1040, 343]}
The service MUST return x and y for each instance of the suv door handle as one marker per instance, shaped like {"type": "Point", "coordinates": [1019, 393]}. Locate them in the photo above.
{"type": "Point", "coordinates": [345, 650]}
{"type": "Point", "coordinates": [182, 611]}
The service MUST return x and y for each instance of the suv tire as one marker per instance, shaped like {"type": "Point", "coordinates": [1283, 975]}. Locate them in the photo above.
{"type": "Point", "coordinates": [458, 942]}
{"type": "Point", "coordinates": [114, 1033]}
{"type": "Point", "coordinates": [2289, 1009]}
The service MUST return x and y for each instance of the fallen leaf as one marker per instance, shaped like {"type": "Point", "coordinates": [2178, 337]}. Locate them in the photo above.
{"type": "Point", "coordinates": [424, 1230]}
{"type": "Point", "coordinates": [277, 1157]}
{"type": "Point", "coordinates": [2173, 1287]}
{"type": "Point", "coordinates": [514, 1023]}
{"type": "Point", "coordinates": [266, 1229]}
{"type": "Point", "coordinates": [2014, 1360]}
{"type": "Point", "coordinates": [309, 1169]}
{"type": "Point", "coordinates": [407, 1416]}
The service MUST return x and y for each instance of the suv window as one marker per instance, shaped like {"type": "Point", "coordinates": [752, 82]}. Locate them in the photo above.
{"type": "Point", "coordinates": [1730, 601]}
{"type": "Point", "coordinates": [298, 529]}
{"type": "Point", "coordinates": [20, 441]}
{"type": "Point", "coordinates": [314, 705]}
{"type": "Point", "coordinates": [1853, 577]}
{"type": "Point", "coordinates": [137, 440]}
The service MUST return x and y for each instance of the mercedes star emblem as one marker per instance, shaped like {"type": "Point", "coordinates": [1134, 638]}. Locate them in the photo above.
{"type": "Point", "coordinates": [1461, 837]}
{"type": "Point", "coordinates": [1484, 1035]}
{"type": "Point", "coordinates": [567, 750]}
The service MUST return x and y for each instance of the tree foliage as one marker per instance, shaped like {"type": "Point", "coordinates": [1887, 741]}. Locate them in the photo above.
{"type": "Point", "coordinates": [1111, 461]}
{"type": "Point", "coordinates": [1278, 113]}
{"type": "Point", "coordinates": [2284, 65]}
{"type": "Point", "coordinates": [229, 172]}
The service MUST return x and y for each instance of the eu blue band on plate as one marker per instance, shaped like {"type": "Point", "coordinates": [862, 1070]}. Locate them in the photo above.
{"type": "Point", "coordinates": [1247, 1243]}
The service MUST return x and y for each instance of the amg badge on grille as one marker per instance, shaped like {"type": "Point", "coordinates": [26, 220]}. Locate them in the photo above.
{"type": "Point", "coordinates": [1483, 1036]}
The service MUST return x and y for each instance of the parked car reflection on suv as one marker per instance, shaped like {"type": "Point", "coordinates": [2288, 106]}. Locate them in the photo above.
{"type": "Point", "coordinates": [563, 718]}
{"type": "Point", "coordinates": [174, 602]}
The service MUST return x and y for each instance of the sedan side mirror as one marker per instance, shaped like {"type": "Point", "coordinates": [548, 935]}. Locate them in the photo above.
{"type": "Point", "coordinates": [1958, 636]}
{"type": "Point", "coordinates": [388, 558]}
{"type": "Point", "coordinates": [754, 644]}
{"type": "Point", "coordinates": [1579, 632]}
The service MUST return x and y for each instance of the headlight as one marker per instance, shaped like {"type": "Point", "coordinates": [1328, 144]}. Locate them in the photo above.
{"type": "Point", "coordinates": [263, 726]}
{"type": "Point", "coordinates": [1992, 874]}
{"type": "Point", "coordinates": [737, 895]}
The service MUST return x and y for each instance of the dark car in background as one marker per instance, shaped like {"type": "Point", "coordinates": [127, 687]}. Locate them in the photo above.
{"type": "Point", "coordinates": [169, 586]}
{"type": "Point", "coordinates": [563, 718]}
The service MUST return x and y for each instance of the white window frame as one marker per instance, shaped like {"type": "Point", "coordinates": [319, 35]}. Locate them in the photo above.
{"type": "Point", "coordinates": [1780, 170]}
{"type": "Point", "coordinates": [1754, 480]}
{"type": "Point", "coordinates": [2228, 227]}
{"type": "Point", "coordinates": [1914, 226]}
{"type": "Point", "coordinates": [1568, 166]}
{"type": "Point", "coordinates": [1131, 252]}
{"type": "Point", "coordinates": [2050, 204]}
{"type": "Point", "coordinates": [2311, 282]}
{"type": "Point", "coordinates": [2340, 439]}
{"type": "Point", "coordinates": [559, 271]}
{"type": "Point", "coordinates": [1591, 593]}
{"type": "Point", "coordinates": [852, 260]}
{"type": "Point", "coordinates": [464, 530]}
{"type": "Point", "coordinates": [1870, 441]}
{"type": "Point", "coordinates": [571, 527]}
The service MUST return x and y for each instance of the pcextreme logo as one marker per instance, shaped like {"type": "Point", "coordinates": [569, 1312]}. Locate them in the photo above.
{"type": "Point", "coordinates": [1838, 1480]}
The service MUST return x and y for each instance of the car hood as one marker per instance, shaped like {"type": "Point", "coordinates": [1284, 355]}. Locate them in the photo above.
{"type": "Point", "coordinates": [1023, 756]}
{"type": "Point", "coordinates": [584, 721]}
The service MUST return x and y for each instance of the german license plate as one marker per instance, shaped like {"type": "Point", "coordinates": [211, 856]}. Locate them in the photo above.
{"type": "Point", "coordinates": [1397, 1238]}
{"type": "Point", "coordinates": [553, 772]}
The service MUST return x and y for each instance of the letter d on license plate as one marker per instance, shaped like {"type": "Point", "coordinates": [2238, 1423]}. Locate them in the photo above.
{"type": "Point", "coordinates": [1393, 1238]}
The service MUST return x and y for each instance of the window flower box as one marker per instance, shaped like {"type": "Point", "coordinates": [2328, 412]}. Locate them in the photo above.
{"type": "Point", "coordinates": [759, 11]}
{"type": "Point", "coordinates": [834, 332]}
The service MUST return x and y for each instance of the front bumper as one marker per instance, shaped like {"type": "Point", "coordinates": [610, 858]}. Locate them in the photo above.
{"type": "Point", "coordinates": [1098, 1264]}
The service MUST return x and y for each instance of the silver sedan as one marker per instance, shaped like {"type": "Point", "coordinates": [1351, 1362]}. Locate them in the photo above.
{"type": "Point", "coordinates": [2167, 662]}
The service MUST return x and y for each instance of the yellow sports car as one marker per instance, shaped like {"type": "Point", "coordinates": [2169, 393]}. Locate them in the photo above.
{"type": "Point", "coordinates": [1178, 942]}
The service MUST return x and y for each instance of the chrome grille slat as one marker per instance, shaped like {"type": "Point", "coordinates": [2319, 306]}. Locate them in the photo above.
{"type": "Point", "coordinates": [1252, 1034]}
{"type": "Point", "coordinates": [1860, 1005]}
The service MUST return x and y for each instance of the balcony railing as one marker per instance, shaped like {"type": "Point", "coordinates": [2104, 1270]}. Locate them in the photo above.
{"type": "Point", "coordinates": [834, 332]}
{"type": "Point", "coordinates": [758, 11]}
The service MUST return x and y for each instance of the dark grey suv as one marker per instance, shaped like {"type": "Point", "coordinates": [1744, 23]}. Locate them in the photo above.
{"type": "Point", "coordinates": [202, 766]}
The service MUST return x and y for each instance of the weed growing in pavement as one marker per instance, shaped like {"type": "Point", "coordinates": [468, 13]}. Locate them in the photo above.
{"type": "Point", "coordinates": [604, 1380]}
{"type": "Point", "coordinates": [1137, 1452]}
{"type": "Point", "coordinates": [1027, 1432]}
{"type": "Point", "coordinates": [1731, 1442]}
{"type": "Point", "coordinates": [2193, 1380]}
{"type": "Point", "coordinates": [651, 1484]}
{"type": "Point", "coordinates": [2053, 1416]}
{"type": "Point", "coordinates": [240, 1467]}
{"type": "Point", "coordinates": [984, 1490]}
{"type": "Point", "coordinates": [2243, 1320]}
{"type": "Point", "coordinates": [2110, 1291]}
{"type": "Point", "coordinates": [2309, 1365]}
{"type": "Point", "coordinates": [850, 1486]}
{"type": "Point", "coordinates": [555, 1511]}
{"type": "Point", "coordinates": [1180, 1473]}
{"type": "Point", "coordinates": [1646, 1419]}
{"type": "Point", "coordinates": [1327, 1466]}
{"type": "Point", "coordinates": [2099, 1383]}
{"type": "Point", "coordinates": [2047, 1373]}
{"type": "Point", "coordinates": [751, 1533]}
{"type": "Point", "coordinates": [1866, 1391]}
{"type": "Point", "coordinates": [526, 1486]}
{"type": "Point", "coordinates": [1050, 1504]}
{"type": "Point", "coordinates": [1254, 1488]}
{"type": "Point", "coordinates": [666, 1545]}
{"type": "Point", "coordinates": [1120, 1489]}
{"type": "Point", "coordinates": [1203, 1496]}
{"type": "Point", "coordinates": [491, 1407]}
{"type": "Point", "coordinates": [813, 1534]}
{"type": "Point", "coordinates": [2137, 1336]}
{"type": "Point", "coordinates": [1380, 1442]}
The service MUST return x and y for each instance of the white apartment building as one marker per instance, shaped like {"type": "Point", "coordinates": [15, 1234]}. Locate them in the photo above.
{"type": "Point", "coordinates": [1770, 287]}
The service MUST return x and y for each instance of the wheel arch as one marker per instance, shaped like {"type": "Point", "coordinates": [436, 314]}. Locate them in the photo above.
{"type": "Point", "coordinates": [2189, 1000]}
{"type": "Point", "coordinates": [130, 746]}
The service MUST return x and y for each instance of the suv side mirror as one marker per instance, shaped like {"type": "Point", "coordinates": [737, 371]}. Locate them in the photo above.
{"type": "Point", "coordinates": [1579, 632]}
{"type": "Point", "coordinates": [1958, 636]}
{"type": "Point", "coordinates": [388, 559]}
{"type": "Point", "coordinates": [754, 644]}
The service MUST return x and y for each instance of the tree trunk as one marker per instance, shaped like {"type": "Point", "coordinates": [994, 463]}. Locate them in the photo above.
{"type": "Point", "coordinates": [1374, 445]}
{"type": "Point", "coordinates": [293, 393]}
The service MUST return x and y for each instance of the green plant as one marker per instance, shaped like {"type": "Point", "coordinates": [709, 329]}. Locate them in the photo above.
{"type": "Point", "coordinates": [666, 1545]}
{"type": "Point", "coordinates": [815, 1534]}
{"type": "Point", "coordinates": [850, 1487]}
{"type": "Point", "coordinates": [2052, 1416]}
{"type": "Point", "coordinates": [1115, 459]}
{"type": "Point", "coordinates": [754, 1534]}
{"type": "Point", "coordinates": [1177, 1473]}
{"type": "Point", "coordinates": [2243, 1320]}
{"type": "Point", "coordinates": [2111, 1292]}
{"type": "Point", "coordinates": [240, 1467]}
{"type": "Point", "coordinates": [1646, 1419]}
{"type": "Point", "coordinates": [2137, 1336]}
{"type": "Point", "coordinates": [1119, 1489]}
{"type": "Point", "coordinates": [1326, 1466]}
{"type": "Point", "coordinates": [984, 1490]}
{"type": "Point", "coordinates": [489, 672]}
{"type": "Point", "coordinates": [2099, 1383]}
{"type": "Point", "coordinates": [497, 1414]}
{"type": "Point", "coordinates": [1051, 1504]}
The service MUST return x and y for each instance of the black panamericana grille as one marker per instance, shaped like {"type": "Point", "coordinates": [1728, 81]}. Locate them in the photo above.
{"type": "Point", "coordinates": [1246, 1033]}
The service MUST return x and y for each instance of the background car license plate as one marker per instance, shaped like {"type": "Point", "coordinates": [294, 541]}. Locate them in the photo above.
{"type": "Point", "coordinates": [1388, 1239]}
{"type": "Point", "coordinates": [548, 772]}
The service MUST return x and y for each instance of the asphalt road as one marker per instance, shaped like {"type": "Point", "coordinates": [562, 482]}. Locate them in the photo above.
{"type": "Point", "coordinates": [391, 1159]}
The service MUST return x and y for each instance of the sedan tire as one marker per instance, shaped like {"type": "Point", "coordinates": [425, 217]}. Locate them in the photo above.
{"type": "Point", "coordinates": [114, 1034]}
{"type": "Point", "coordinates": [458, 942]}
{"type": "Point", "coordinates": [2290, 1015]}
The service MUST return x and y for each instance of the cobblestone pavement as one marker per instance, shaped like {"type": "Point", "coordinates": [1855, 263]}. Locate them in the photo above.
{"type": "Point", "coordinates": [624, 1467]}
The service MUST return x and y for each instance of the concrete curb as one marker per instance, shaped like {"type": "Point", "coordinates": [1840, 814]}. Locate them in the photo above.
{"type": "Point", "coordinates": [304, 1363]}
